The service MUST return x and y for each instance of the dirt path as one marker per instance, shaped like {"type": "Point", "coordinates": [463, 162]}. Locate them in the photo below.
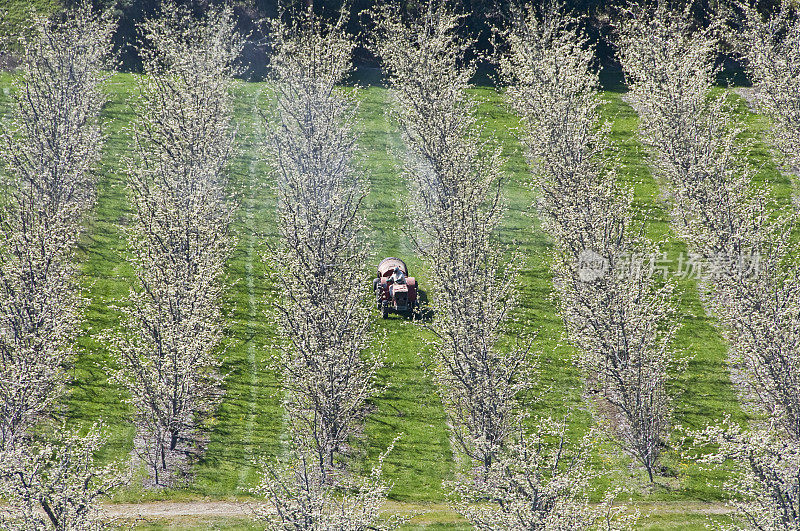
{"type": "Point", "coordinates": [427, 512]}
{"type": "Point", "coordinates": [168, 510]}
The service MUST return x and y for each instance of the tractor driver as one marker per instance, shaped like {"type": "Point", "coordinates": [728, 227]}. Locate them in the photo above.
{"type": "Point", "coordinates": [398, 277]}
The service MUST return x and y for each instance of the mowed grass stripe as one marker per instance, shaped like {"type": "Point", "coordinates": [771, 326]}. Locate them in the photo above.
{"type": "Point", "coordinates": [249, 420]}
{"type": "Point", "coordinates": [251, 347]}
{"type": "Point", "coordinates": [106, 278]}
{"type": "Point", "coordinates": [406, 404]}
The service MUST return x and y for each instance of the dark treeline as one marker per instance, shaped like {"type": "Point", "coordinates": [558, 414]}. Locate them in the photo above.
{"type": "Point", "coordinates": [480, 17]}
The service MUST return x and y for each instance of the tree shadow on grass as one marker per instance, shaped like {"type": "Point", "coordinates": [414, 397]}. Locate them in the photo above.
{"type": "Point", "coordinates": [424, 312]}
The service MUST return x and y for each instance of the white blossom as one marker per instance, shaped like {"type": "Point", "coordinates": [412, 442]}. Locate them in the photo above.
{"type": "Point", "coordinates": [771, 48]}
{"type": "Point", "coordinates": [326, 369]}
{"type": "Point", "coordinates": [179, 237]}
{"type": "Point", "coordinates": [539, 481]}
{"type": "Point", "coordinates": [765, 485]}
{"type": "Point", "coordinates": [299, 497]}
{"type": "Point", "coordinates": [48, 147]}
{"type": "Point", "coordinates": [622, 325]}
{"type": "Point", "coordinates": [56, 485]}
{"type": "Point", "coordinates": [720, 212]}
{"type": "Point", "coordinates": [717, 208]}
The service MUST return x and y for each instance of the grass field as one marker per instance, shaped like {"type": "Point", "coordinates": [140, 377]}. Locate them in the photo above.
{"type": "Point", "coordinates": [15, 17]}
{"type": "Point", "coordinates": [249, 422]}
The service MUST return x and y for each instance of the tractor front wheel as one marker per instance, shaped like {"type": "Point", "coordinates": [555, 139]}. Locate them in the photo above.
{"type": "Point", "coordinates": [385, 310]}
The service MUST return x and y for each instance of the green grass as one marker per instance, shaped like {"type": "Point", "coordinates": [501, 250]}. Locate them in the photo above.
{"type": "Point", "coordinates": [15, 18]}
{"type": "Point", "coordinates": [248, 425]}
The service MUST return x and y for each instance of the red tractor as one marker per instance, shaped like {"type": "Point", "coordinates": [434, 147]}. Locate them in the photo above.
{"type": "Point", "coordinates": [394, 289]}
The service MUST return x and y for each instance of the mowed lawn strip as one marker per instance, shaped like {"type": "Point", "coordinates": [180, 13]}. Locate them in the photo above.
{"type": "Point", "coordinates": [407, 404]}
{"type": "Point", "coordinates": [780, 185]}
{"type": "Point", "coordinates": [106, 279]}
{"type": "Point", "coordinates": [249, 422]}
